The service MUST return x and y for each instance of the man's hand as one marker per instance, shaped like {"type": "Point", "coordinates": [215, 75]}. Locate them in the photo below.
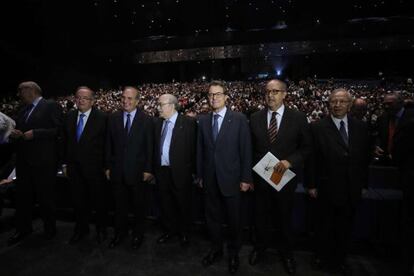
{"type": "Point", "coordinates": [28, 135]}
{"type": "Point", "coordinates": [282, 166]}
{"type": "Point", "coordinates": [378, 151]}
{"type": "Point", "coordinates": [65, 171]}
{"type": "Point", "coordinates": [244, 186]}
{"type": "Point", "coordinates": [5, 181]}
{"type": "Point", "coordinates": [313, 193]}
{"type": "Point", "coordinates": [108, 174]}
{"type": "Point", "coordinates": [16, 133]}
{"type": "Point", "coordinates": [147, 176]}
{"type": "Point", "coordinates": [200, 183]}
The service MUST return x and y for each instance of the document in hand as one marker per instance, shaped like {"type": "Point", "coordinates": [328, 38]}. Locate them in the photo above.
{"type": "Point", "coordinates": [264, 168]}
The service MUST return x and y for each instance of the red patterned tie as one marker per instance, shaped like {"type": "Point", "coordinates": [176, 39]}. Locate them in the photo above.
{"type": "Point", "coordinates": [272, 131]}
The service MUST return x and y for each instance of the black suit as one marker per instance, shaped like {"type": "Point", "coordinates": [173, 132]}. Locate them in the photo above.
{"type": "Point", "coordinates": [128, 156]}
{"type": "Point", "coordinates": [340, 174]}
{"type": "Point", "coordinates": [403, 155]}
{"type": "Point", "coordinates": [292, 143]}
{"type": "Point", "coordinates": [222, 165]}
{"type": "Point", "coordinates": [175, 181]}
{"type": "Point", "coordinates": [85, 167]}
{"type": "Point", "coordinates": [36, 164]}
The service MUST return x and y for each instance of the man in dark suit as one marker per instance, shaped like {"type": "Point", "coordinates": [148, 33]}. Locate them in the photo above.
{"type": "Point", "coordinates": [403, 157]}
{"type": "Point", "coordinates": [340, 173]}
{"type": "Point", "coordinates": [174, 163]}
{"type": "Point", "coordinates": [35, 139]}
{"type": "Point", "coordinates": [84, 143]}
{"type": "Point", "coordinates": [224, 169]}
{"type": "Point", "coordinates": [386, 127]}
{"type": "Point", "coordinates": [129, 151]}
{"type": "Point", "coordinates": [285, 133]}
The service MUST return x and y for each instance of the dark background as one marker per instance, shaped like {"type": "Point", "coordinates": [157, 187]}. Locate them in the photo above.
{"type": "Point", "coordinates": [63, 44]}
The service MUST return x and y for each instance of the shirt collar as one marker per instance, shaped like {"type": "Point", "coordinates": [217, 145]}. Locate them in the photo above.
{"type": "Point", "coordinates": [337, 121]}
{"type": "Point", "coordinates": [86, 113]}
{"type": "Point", "coordinates": [36, 101]}
{"type": "Point", "coordinates": [173, 118]}
{"type": "Point", "coordinates": [399, 113]}
{"type": "Point", "coordinates": [222, 112]}
{"type": "Point", "coordinates": [279, 111]}
{"type": "Point", "coordinates": [132, 113]}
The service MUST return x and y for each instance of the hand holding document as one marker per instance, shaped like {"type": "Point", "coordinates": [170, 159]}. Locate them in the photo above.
{"type": "Point", "coordinates": [265, 168]}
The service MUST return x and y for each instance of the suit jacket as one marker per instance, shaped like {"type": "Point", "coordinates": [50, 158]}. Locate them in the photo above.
{"type": "Point", "coordinates": [45, 121]}
{"type": "Point", "coordinates": [228, 160]}
{"type": "Point", "coordinates": [340, 171]}
{"type": "Point", "coordinates": [182, 149]}
{"type": "Point", "coordinates": [129, 156]}
{"type": "Point", "coordinates": [293, 140]}
{"type": "Point", "coordinates": [403, 147]}
{"type": "Point", "coordinates": [89, 151]}
{"type": "Point", "coordinates": [383, 129]}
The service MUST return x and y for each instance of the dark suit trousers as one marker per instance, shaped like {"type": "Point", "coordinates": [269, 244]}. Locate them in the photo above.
{"type": "Point", "coordinates": [217, 208]}
{"type": "Point", "coordinates": [175, 203]}
{"type": "Point", "coordinates": [35, 182]}
{"type": "Point", "coordinates": [333, 230]}
{"type": "Point", "coordinates": [127, 196]}
{"type": "Point", "coordinates": [407, 177]}
{"type": "Point", "coordinates": [274, 208]}
{"type": "Point", "coordinates": [88, 193]}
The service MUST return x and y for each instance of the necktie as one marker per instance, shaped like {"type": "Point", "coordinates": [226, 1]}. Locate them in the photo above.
{"type": "Point", "coordinates": [272, 131]}
{"type": "Point", "coordinates": [215, 126]}
{"type": "Point", "coordinates": [164, 134]}
{"type": "Point", "coordinates": [128, 123]}
{"type": "Point", "coordinates": [342, 130]}
{"type": "Point", "coordinates": [391, 131]}
{"type": "Point", "coordinates": [28, 110]}
{"type": "Point", "coordinates": [79, 127]}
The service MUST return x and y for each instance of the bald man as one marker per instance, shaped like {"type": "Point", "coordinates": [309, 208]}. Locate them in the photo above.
{"type": "Point", "coordinates": [285, 133]}
{"type": "Point", "coordinates": [174, 163]}
{"type": "Point", "coordinates": [35, 138]}
{"type": "Point", "coordinates": [340, 172]}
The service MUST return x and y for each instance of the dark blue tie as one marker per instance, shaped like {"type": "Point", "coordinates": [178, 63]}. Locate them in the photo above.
{"type": "Point", "coordinates": [164, 134]}
{"type": "Point", "coordinates": [79, 128]}
{"type": "Point", "coordinates": [215, 126]}
{"type": "Point", "coordinates": [128, 123]}
{"type": "Point", "coordinates": [343, 132]}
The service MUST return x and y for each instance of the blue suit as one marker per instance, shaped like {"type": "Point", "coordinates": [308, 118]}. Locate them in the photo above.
{"type": "Point", "coordinates": [222, 165]}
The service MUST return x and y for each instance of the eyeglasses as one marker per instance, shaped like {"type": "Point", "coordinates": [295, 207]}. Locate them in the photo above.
{"type": "Point", "coordinates": [274, 92]}
{"type": "Point", "coordinates": [83, 98]}
{"type": "Point", "coordinates": [162, 104]}
{"type": "Point", "coordinates": [215, 95]}
{"type": "Point", "coordinates": [338, 102]}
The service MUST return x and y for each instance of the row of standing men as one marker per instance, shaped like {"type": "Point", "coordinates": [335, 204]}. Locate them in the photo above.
{"type": "Point", "coordinates": [129, 148]}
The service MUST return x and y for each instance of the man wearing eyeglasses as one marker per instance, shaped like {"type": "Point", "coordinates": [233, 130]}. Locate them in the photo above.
{"type": "Point", "coordinates": [84, 132]}
{"type": "Point", "coordinates": [174, 165]}
{"type": "Point", "coordinates": [339, 174]}
{"type": "Point", "coordinates": [224, 171]}
{"type": "Point", "coordinates": [285, 133]}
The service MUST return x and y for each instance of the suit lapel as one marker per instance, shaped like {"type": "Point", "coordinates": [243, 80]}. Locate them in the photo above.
{"type": "Point", "coordinates": [135, 123]}
{"type": "Point", "coordinates": [35, 110]}
{"type": "Point", "coordinates": [330, 125]}
{"type": "Point", "coordinates": [88, 126]}
{"type": "Point", "coordinates": [284, 124]}
{"type": "Point", "coordinates": [224, 125]}
{"type": "Point", "coordinates": [72, 122]}
{"type": "Point", "coordinates": [120, 123]}
{"type": "Point", "coordinates": [176, 130]}
{"type": "Point", "coordinates": [210, 127]}
{"type": "Point", "coordinates": [263, 124]}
